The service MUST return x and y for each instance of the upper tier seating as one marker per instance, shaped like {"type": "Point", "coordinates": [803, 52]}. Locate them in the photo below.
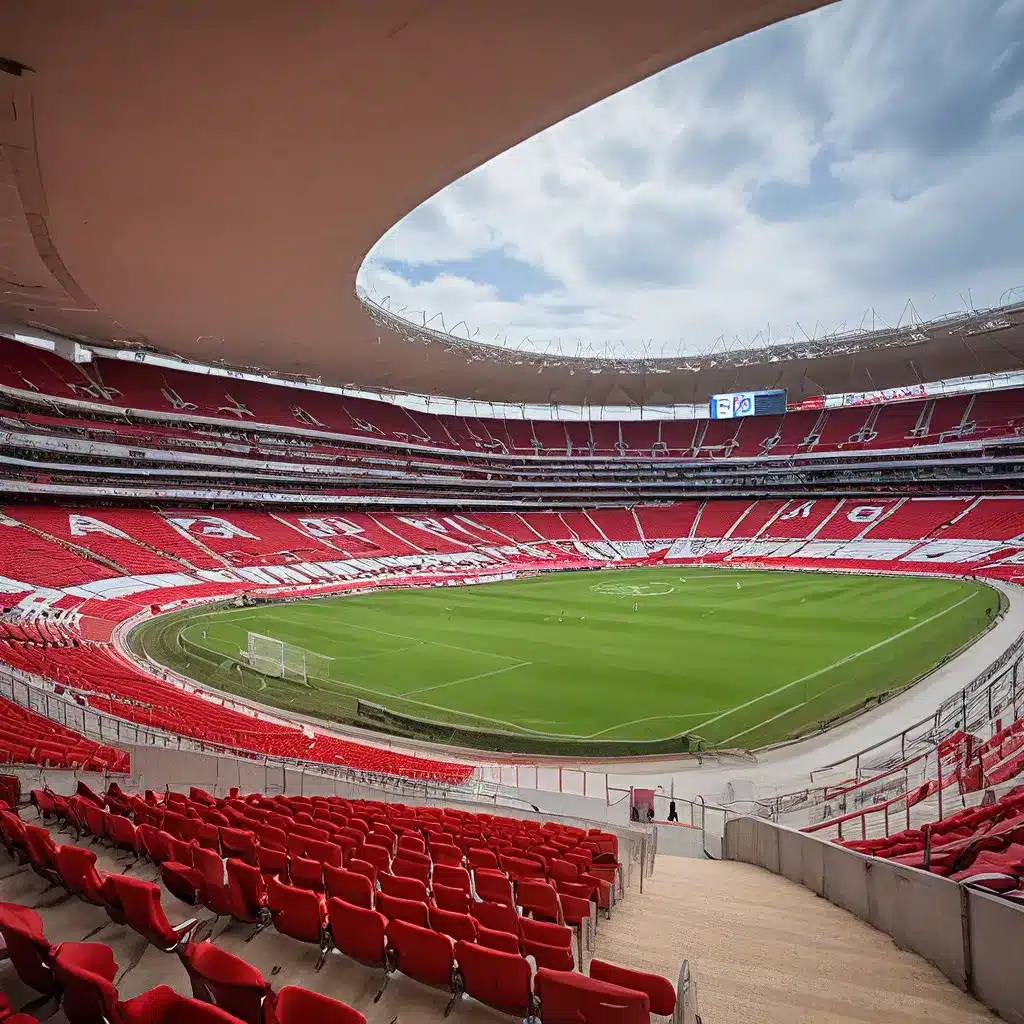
{"type": "Point", "coordinates": [120, 384]}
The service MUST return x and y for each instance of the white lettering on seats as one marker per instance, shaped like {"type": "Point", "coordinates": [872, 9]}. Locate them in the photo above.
{"type": "Point", "coordinates": [329, 526]}
{"type": "Point", "coordinates": [211, 526]}
{"type": "Point", "coordinates": [81, 525]}
{"type": "Point", "coordinates": [864, 513]}
{"type": "Point", "coordinates": [801, 511]}
{"type": "Point", "coordinates": [434, 525]}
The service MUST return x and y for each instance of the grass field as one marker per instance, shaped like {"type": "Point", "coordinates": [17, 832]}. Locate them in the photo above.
{"type": "Point", "coordinates": [734, 658]}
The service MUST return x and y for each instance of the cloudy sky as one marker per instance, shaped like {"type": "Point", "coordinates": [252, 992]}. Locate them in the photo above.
{"type": "Point", "coordinates": [853, 158]}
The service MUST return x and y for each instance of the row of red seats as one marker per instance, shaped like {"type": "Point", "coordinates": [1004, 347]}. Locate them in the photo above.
{"type": "Point", "coordinates": [79, 976]}
{"type": "Point", "coordinates": [28, 738]}
{"type": "Point", "coordinates": [981, 846]}
{"type": "Point", "coordinates": [246, 403]}
{"type": "Point", "coordinates": [112, 686]}
{"type": "Point", "coordinates": [420, 951]}
{"type": "Point", "coordinates": [233, 538]}
{"type": "Point", "coordinates": [557, 875]}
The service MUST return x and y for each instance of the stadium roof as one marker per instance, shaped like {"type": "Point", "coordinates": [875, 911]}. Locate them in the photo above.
{"type": "Point", "coordinates": [206, 180]}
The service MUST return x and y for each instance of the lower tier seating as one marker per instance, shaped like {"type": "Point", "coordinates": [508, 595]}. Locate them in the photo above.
{"type": "Point", "coordinates": [212, 854]}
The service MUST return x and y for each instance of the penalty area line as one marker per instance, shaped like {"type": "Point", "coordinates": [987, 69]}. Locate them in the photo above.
{"type": "Point", "coordinates": [828, 668]}
{"type": "Point", "coordinates": [465, 679]}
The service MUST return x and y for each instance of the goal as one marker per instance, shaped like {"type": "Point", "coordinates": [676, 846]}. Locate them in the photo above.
{"type": "Point", "coordinates": [272, 657]}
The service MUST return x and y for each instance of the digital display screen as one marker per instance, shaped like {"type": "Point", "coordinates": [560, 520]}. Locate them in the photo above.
{"type": "Point", "coordinates": [748, 403]}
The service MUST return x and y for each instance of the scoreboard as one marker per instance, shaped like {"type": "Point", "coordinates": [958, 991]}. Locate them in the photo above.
{"type": "Point", "coordinates": [748, 403]}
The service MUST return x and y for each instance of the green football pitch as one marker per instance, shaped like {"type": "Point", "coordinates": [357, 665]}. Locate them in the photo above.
{"type": "Point", "coordinates": [732, 658]}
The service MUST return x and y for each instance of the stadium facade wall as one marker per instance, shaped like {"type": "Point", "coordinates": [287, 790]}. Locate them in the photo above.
{"type": "Point", "coordinates": [969, 936]}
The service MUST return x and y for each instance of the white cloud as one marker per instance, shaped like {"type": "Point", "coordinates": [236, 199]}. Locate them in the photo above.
{"type": "Point", "coordinates": [854, 158]}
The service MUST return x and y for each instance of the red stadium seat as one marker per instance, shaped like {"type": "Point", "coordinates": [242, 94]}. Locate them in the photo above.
{"type": "Point", "coordinates": [183, 883]}
{"type": "Point", "coordinates": [293, 1005]}
{"type": "Point", "coordinates": [357, 932]}
{"type": "Point", "coordinates": [404, 888]}
{"type": "Point", "coordinates": [457, 926]}
{"type": "Point", "coordinates": [42, 853]}
{"type": "Point", "coordinates": [507, 942]}
{"type": "Point", "coordinates": [299, 914]}
{"type": "Point", "coordinates": [349, 886]}
{"type": "Point", "coordinates": [498, 916]}
{"type": "Point", "coordinates": [493, 887]}
{"type": "Point", "coordinates": [143, 912]}
{"type": "Point", "coordinates": [456, 900]}
{"type": "Point", "coordinates": [453, 876]}
{"type": "Point", "coordinates": [538, 898]}
{"type": "Point", "coordinates": [85, 972]}
{"type": "Point", "coordinates": [227, 981]}
{"type": "Point", "coordinates": [567, 997]}
{"type": "Point", "coordinates": [659, 990]}
{"type": "Point", "coordinates": [497, 979]}
{"type": "Point", "coordinates": [27, 947]}
{"type": "Point", "coordinates": [395, 908]}
{"type": "Point", "coordinates": [272, 863]}
{"type": "Point", "coordinates": [420, 953]}
{"type": "Point", "coordinates": [306, 873]}
{"type": "Point", "coordinates": [411, 868]}
{"type": "Point", "coordinates": [162, 1005]}
{"type": "Point", "coordinates": [555, 958]}
{"type": "Point", "coordinates": [78, 873]}
{"type": "Point", "coordinates": [363, 867]}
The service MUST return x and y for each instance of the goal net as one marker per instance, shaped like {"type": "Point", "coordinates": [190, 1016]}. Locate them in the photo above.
{"type": "Point", "coordinates": [272, 657]}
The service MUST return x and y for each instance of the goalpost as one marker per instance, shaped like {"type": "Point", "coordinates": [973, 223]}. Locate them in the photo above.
{"type": "Point", "coordinates": [276, 658]}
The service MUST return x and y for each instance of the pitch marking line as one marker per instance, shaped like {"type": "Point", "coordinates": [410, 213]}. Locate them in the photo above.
{"type": "Point", "coordinates": [828, 668]}
{"type": "Point", "coordinates": [466, 679]}
{"type": "Point", "coordinates": [640, 721]}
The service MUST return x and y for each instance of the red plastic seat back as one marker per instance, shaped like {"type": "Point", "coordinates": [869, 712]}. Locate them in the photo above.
{"type": "Point", "coordinates": [498, 916]}
{"type": "Point", "coordinates": [209, 864]}
{"type": "Point", "coordinates": [495, 938]}
{"type": "Point", "coordinates": [27, 947]}
{"type": "Point", "coordinates": [85, 972]}
{"type": "Point", "coordinates": [349, 886]}
{"type": "Point", "coordinates": [538, 898]}
{"type": "Point", "coordinates": [248, 885]}
{"type": "Point", "coordinates": [660, 991]}
{"type": "Point", "coordinates": [404, 888]}
{"type": "Point", "coordinates": [294, 1005]}
{"type": "Point", "coordinates": [493, 887]}
{"type": "Point", "coordinates": [410, 868]}
{"type": "Point", "coordinates": [375, 855]}
{"type": "Point", "coordinates": [395, 908]}
{"type": "Point", "coordinates": [447, 855]}
{"type": "Point", "coordinates": [555, 958]}
{"type": "Point", "coordinates": [296, 912]}
{"type": "Point", "coordinates": [143, 911]}
{"type": "Point", "coordinates": [357, 932]}
{"type": "Point", "coordinates": [77, 867]}
{"type": "Point", "coordinates": [226, 980]}
{"type": "Point", "coordinates": [452, 876]}
{"type": "Point", "coordinates": [457, 900]}
{"type": "Point", "coordinates": [501, 980]}
{"type": "Point", "coordinates": [421, 953]}
{"type": "Point", "coordinates": [567, 998]}
{"type": "Point", "coordinates": [457, 926]}
{"type": "Point", "coordinates": [364, 867]}
{"type": "Point", "coordinates": [306, 873]}
{"type": "Point", "coordinates": [545, 931]}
